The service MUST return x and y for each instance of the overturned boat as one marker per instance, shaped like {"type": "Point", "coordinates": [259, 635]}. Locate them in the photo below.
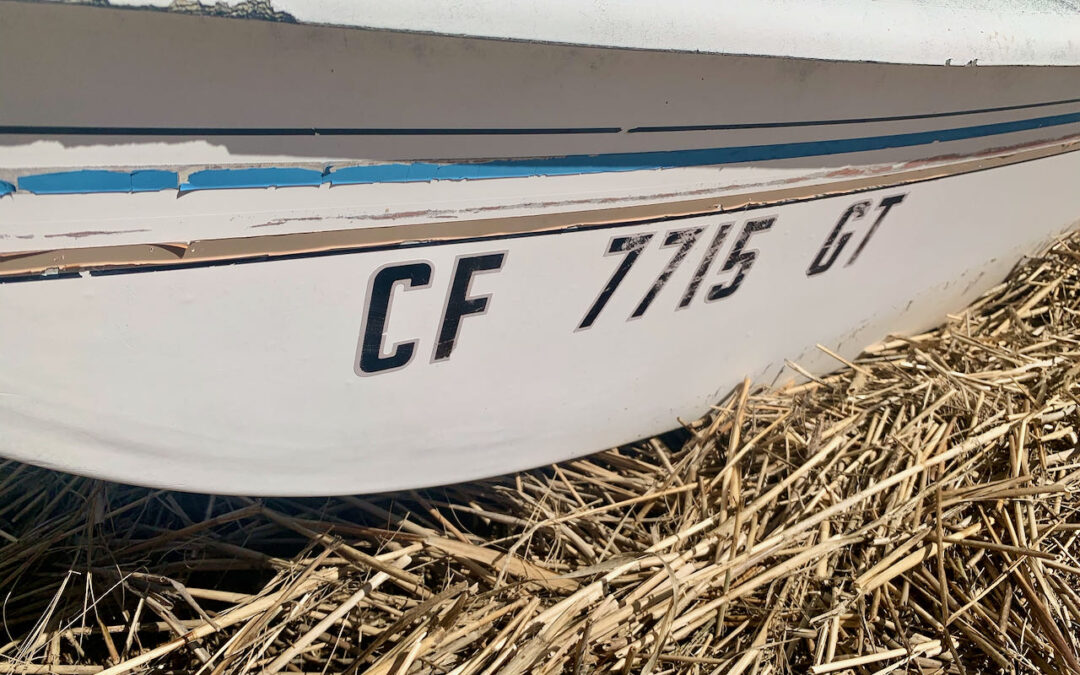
{"type": "Point", "coordinates": [311, 247]}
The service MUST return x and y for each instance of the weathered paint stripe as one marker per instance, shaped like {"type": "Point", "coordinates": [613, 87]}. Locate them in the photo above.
{"type": "Point", "coordinates": [157, 256]}
{"type": "Point", "coordinates": [6, 188]}
{"type": "Point", "coordinates": [850, 120]}
{"type": "Point", "coordinates": [212, 179]}
{"type": "Point", "coordinates": [637, 161]}
{"type": "Point", "coordinates": [71, 130]}
{"type": "Point", "coordinates": [109, 181]}
{"type": "Point", "coordinates": [93, 180]}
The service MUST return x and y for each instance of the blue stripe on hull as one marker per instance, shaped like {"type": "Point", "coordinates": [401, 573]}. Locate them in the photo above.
{"type": "Point", "coordinates": [113, 181]}
{"type": "Point", "coordinates": [93, 180]}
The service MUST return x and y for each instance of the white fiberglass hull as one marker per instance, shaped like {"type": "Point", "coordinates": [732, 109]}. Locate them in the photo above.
{"type": "Point", "coordinates": [322, 260]}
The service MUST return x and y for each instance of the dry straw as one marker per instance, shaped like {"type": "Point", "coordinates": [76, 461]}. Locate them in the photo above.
{"type": "Point", "coordinates": [914, 512]}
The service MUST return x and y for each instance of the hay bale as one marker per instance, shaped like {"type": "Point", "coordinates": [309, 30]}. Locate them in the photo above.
{"type": "Point", "coordinates": [914, 512]}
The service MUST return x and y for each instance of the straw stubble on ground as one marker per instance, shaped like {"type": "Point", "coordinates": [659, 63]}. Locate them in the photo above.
{"type": "Point", "coordinates": [915, 512]}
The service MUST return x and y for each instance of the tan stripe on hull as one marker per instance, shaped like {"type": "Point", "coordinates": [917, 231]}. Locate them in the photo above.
{"type": "Point", "coordinates": [280, 245]}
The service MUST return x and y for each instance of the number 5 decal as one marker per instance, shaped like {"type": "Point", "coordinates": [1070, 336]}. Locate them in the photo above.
{"type": "Point", "coordinates": [739, 257]}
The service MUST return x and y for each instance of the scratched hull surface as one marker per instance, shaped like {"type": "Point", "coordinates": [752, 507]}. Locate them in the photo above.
{"type": "Point", "coordinates": [247, 256]}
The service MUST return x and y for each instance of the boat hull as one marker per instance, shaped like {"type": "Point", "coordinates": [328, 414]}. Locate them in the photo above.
{"type": "Point", "coordinates": [252, 377]}
{"type": "Point", "coordinates": [449, 287]}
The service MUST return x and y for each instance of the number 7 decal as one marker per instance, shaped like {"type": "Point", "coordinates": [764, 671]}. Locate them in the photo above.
{"type": "Point", "coordinates": [685, 240]}
{"type": "Point", "coordinates": [632, 247]}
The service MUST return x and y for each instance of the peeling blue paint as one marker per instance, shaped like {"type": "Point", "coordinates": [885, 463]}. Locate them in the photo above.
{"type": "Point", "coordinates": [263, 177]}
{"type": "Point", "coordinates": [6, 188]}
{"type": "Point", "coordinates": [260, 177]}
{"type": "Point", "coordinates": [153, 180]}
{"type": "Point", "coordinates": [93, 180]}
{"type": "Point", "coordinates": [388, 173]}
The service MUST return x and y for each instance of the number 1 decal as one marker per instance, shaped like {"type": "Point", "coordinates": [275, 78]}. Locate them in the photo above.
{"type": "Point", "coordinates": [706, 263]}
